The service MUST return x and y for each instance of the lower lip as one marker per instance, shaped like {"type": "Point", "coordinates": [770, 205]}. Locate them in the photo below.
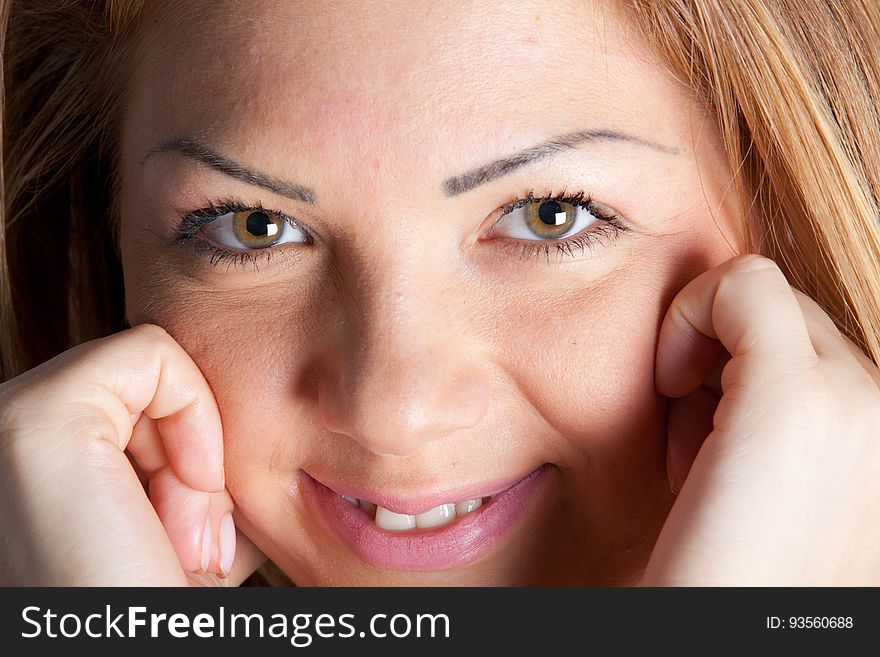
{"type": "Point", "coordinates": [455, 544]}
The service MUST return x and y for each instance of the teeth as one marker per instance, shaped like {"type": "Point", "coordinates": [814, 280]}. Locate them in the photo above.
{"type": "Point", "coordinates": [396, 522]}
{"type": "Point", "coordinates": [467, 506]}
{"type": "Point", "coordinates": [399, 522]}
{"type": "Point", "coordinates": [436, 517]}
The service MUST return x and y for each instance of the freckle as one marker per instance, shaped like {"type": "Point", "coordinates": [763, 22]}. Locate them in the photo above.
{"type": "Point", "coordinates": [537, 19]}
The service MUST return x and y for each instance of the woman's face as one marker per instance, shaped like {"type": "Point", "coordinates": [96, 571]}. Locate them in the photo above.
{"type": "Point", "coordinates": [398, 343]}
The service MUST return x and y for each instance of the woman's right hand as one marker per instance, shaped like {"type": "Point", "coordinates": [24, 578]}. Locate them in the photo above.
{"type": "Point", "coordinates": [83, 437]}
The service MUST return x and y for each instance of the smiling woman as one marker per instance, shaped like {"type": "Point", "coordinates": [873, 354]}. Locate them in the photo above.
{"type": "Point", "coordinates": [455, 306]}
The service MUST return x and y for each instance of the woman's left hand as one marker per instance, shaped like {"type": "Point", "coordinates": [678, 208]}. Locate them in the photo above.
{"type": "Point", "coordinates": [773, 441]}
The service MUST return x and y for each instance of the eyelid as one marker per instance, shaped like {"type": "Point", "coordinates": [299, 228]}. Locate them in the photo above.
{"type": "Point", "coordinates": [191, 222]}
{"type": "Point", "coordinates": [606, 227]}
{"type": "Point", "coordinates": [228, 230]}
{"type": "Point", "coordinates": [579, 199]}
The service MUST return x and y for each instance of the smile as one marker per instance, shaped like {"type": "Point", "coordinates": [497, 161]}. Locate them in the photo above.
{"type": "Point", "coordinates": [438, 516]}
{"type": "Point", "coordinates": [424, 534]}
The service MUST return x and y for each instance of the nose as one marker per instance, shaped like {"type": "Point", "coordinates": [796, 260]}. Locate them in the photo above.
{"type": "Point", "coordinates": [402, 371]}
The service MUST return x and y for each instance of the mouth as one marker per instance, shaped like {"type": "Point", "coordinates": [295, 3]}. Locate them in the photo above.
{"type": "Point", "coordinates": [395, 533]}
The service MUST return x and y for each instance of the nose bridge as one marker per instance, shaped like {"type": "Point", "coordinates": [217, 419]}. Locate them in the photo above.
{"type": "Point", "coordinates": [402, 304]}
{"type": "Point", "coordinates": [407, 372]}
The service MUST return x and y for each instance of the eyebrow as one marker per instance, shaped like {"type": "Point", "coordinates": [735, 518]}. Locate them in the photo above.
{"type": "Point", "coordinates": [198, 151]}
{"type": "Point", "coordinates": [195, 150]}
{"type": "Point", "coordinates": [502, 167]}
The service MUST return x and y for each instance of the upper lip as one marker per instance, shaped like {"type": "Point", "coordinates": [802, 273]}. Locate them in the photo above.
{"type": "Point", "coordinates": [415, 503]}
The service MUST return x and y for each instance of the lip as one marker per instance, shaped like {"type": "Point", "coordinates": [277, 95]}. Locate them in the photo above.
{"type": "Point", "coordinates": [455, 544]}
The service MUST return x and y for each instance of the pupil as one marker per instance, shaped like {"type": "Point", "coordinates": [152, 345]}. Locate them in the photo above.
{"type": "Point", "coordinates": [548, 211]}
{"type": "Point", "coordinates": [258, 224]}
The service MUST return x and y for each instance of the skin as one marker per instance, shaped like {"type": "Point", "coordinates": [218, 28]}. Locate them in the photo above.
{"type": "Point", "coordinates": [407, 351]}
{"type": "Point", "coordinates": [425, 355]}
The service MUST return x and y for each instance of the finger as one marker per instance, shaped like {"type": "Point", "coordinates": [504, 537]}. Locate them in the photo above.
{"type": "Point", "coordinates": [185, 515]}
{"type": "Point", "coordinates": [163, 383]}
{"type": "Point", "coordinates": [199, 525]}
{"type": "Point", "coordinates": [224, 537]}
{"type": "Point", "coordinates": [190, 519]}
{"type": "Point", "coordinates": [712, 382]}
{"type": "Point", "coordinates": [248, 558]}
{"type": "Point", "coordinates": [195, 521]}
{"type": "Point", "coordinates": [145, 446]}
{"type": "Point", "coordinates": [689, 421]}
{"type": "Point", "coordinates": [749, 307]}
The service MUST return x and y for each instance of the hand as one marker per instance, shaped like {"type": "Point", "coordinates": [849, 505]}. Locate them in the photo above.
{"type": "Point", "coordinates": [784, 489]}
{"type": "Point", "coordinates": [73, 510]}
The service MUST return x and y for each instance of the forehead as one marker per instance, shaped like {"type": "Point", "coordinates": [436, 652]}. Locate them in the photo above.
{"type": "Point", "coordinates": [434, 85]}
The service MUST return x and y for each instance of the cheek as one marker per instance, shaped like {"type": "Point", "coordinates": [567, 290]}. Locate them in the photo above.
{"type": "Point", "coordinates": [585, 362]}
{"type": "Point", "coordinates": [247, 351]}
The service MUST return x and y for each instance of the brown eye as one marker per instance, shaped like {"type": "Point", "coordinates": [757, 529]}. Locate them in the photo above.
{"type": "Point", "coordinates": [253, 229]}
{"type": "Point", "coordinates": [547, 219]}
{"type": "Point", "coordinates": [257, 229]}
{"type": "Point", "coordinates": [550, 218]}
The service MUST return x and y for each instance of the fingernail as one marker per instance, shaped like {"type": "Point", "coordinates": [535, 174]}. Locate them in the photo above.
{"type": "Point", "coordinates": [207, 544]}
{"type": "Point", "coordinates": [227, 545]}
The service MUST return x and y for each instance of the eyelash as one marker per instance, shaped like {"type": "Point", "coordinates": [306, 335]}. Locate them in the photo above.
{"type": "Point", "coordinates": [611, 227]}
{"type": "Point", "coordinates": [185, 233]}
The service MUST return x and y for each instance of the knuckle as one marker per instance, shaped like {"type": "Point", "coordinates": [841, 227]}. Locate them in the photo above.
{"type": "Point", "coordinates": [95, 440]}
{"type": "Point", "coordinates": [750, 270]}
{"type": "Point", "coordinates": [153, 331]}
{"type": "Point", "coordinates": [150, 341]}
{"type": "Point", "coordinates": [754, 263]}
